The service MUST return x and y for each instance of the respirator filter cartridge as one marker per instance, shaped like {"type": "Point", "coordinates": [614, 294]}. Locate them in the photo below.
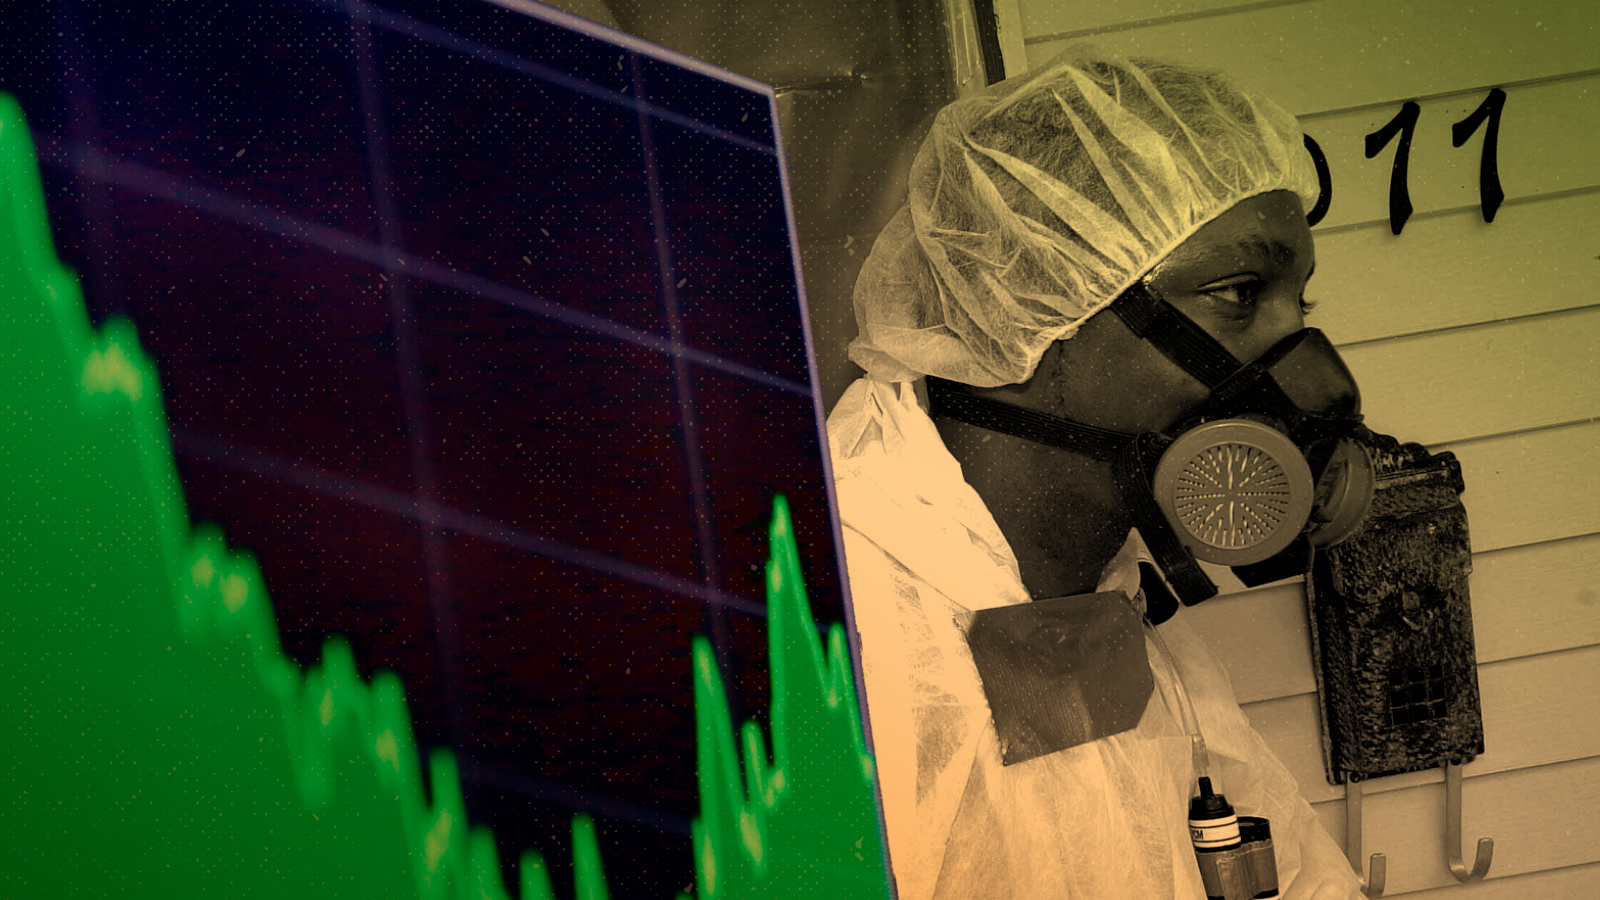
{"type": "Point", "coordinates": [1236, 491]}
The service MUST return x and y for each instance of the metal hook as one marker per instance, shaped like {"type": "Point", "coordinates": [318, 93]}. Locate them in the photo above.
{"type": "Point", "coordinates": [1452, 831]}
{"type": "Point", "coordinates": [1372, 885]}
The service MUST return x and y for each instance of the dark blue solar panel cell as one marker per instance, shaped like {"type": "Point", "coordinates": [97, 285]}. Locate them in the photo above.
{"type": "Point", "coordinates": [547, 704]}
{"type": "Point", "coordinates": [512, 39]}
{"type": "Point", "coordinates": [258, 100]}
{"type": "Point", "coordinates": [735, 278]}
{"type": "Point", "coordinates": [264, 341]}
{"type": "Point", "coordinates": [32, 61]}
{"type": "Point", "coordinates": [556, 432]}
{"type": "Point", "coordinates": [713, 102]}
{"type": "Point", "coordinates": [758, 441]}
{"type": "Point", "coordinates": [558, 206]}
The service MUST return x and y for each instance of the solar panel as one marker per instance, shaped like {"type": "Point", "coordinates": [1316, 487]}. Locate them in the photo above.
{"type": "Point", "coordinates": [482, 328]}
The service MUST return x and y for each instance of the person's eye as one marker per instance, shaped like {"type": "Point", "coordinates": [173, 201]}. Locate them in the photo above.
{"type": "Point", "coordinates": [1236, 298]}
{"type": "Point", "coordinates": [1306, 306]}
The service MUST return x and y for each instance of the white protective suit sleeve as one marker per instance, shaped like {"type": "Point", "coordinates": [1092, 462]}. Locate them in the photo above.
{"type": "Point", "coordinates": [1099, 821]}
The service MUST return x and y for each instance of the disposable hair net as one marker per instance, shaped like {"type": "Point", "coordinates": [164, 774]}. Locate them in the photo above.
{"type": "Point", "coordinates": [1032, 206]}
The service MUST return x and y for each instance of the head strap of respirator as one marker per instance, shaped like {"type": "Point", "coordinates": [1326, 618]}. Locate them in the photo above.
{"type": "Point", "coordinates": [1270, 464]}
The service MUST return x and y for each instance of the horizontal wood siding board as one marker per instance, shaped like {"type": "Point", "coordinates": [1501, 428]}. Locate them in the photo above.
{"type": "Point", "coordinates": [1314, 57]}
{"type": "Point", "coordinates": [1456, 385]}
{"type": "Point", "coordinates": [1533, 487]}
{"type": "Point", "coordinates": [1536, 599]}
{"type": "Point", "coordinates": [1569, 883]}
{"type": "Point", "coordinates": [1537, 711]}
{"type": "Point", "coordinates": [1540, 819]}
{"type": "Point", "coordinates": [1452, 271]}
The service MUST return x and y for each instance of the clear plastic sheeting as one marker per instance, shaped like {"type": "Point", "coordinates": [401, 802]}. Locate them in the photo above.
{"type": "Point", "coordinates": [1104, 819]}
{"type": "Point", "coordinates": [1032, 206]}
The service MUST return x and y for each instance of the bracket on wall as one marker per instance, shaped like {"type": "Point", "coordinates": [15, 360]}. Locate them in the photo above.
{"type": "Point", "coordinates": [1377, 868]}
{"type": "Point", "coordinates": [1371, 884]}
{"type": "Point", "coordinates": [1452, 831]}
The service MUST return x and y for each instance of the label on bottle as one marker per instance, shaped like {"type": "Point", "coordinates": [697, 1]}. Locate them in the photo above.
{"type": "Point", "coordinates": [1214, 834]}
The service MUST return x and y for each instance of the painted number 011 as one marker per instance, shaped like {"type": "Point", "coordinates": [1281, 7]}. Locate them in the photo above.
{"type": "Point", "coordinates": [1403, 126]}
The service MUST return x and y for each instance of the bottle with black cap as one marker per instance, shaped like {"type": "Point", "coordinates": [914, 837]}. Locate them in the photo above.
{"type": "Point", "coordinates": [1218, 846]}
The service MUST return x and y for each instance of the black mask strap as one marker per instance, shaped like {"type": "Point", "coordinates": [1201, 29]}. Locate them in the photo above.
{"type": "Point", "coordinates": [952, 402]}
{"type": "Point", "coordinates": [1133, 458]}
{"type": "Point", "coordinates": [1188, 345]}
{"type": "Point", "coordinates": [1133, 473]}
{"type": "Point", "coordinates": [1256, 375]}
{"type": "Point", "coordinates": [1159, 604]}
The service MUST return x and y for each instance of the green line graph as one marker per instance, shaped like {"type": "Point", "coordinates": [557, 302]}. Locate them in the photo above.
{"type": "Point", "coordinates": [803, 824]}
{"type": "Point", "coordinates": [162, 745]}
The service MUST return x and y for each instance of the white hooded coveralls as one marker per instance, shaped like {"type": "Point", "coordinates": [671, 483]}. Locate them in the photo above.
{"type": "Point", "coordinates": [1099, 821]}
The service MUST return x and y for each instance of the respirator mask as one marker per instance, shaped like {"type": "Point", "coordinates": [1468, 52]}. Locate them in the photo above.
{"type": "Point", "coordinates": [1272, 464]}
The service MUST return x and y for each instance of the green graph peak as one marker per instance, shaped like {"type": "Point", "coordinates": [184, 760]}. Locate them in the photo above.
{"type": "Point", "coordinates": [802, 823]}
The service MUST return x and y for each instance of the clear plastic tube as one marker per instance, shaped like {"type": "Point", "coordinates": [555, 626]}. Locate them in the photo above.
{"type": "Point", "coordinates": [1191, 722]}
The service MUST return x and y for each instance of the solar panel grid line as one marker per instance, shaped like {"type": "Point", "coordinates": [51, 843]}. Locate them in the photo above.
{"type": "Point", "coordinates": [476, 771]}
{"type": "Point", "coordinates": [436, 564]}
{"type": "Point", "coordinates": [391, 252]}
{"type": "Point", "coordinates": [291, 473]}
{"type": "Point", "coordinates": [694, 454]}
{"type": "Point", "coordinates": [670, 301]}
{"type": "Point", "coordinates": [101, 168]}
{"type": "Point", "coordinates": [521, 300]}
{"type": "Point", "coordinates": [443, 39]}
{"type": "Point", "coordinates": [577, 23]}
{"type": "Point", "coordinates": [466, 523]}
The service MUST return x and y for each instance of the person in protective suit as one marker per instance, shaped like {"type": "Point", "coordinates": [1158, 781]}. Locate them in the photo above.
{"type": "Point", "coordinates": [1040, 711]}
